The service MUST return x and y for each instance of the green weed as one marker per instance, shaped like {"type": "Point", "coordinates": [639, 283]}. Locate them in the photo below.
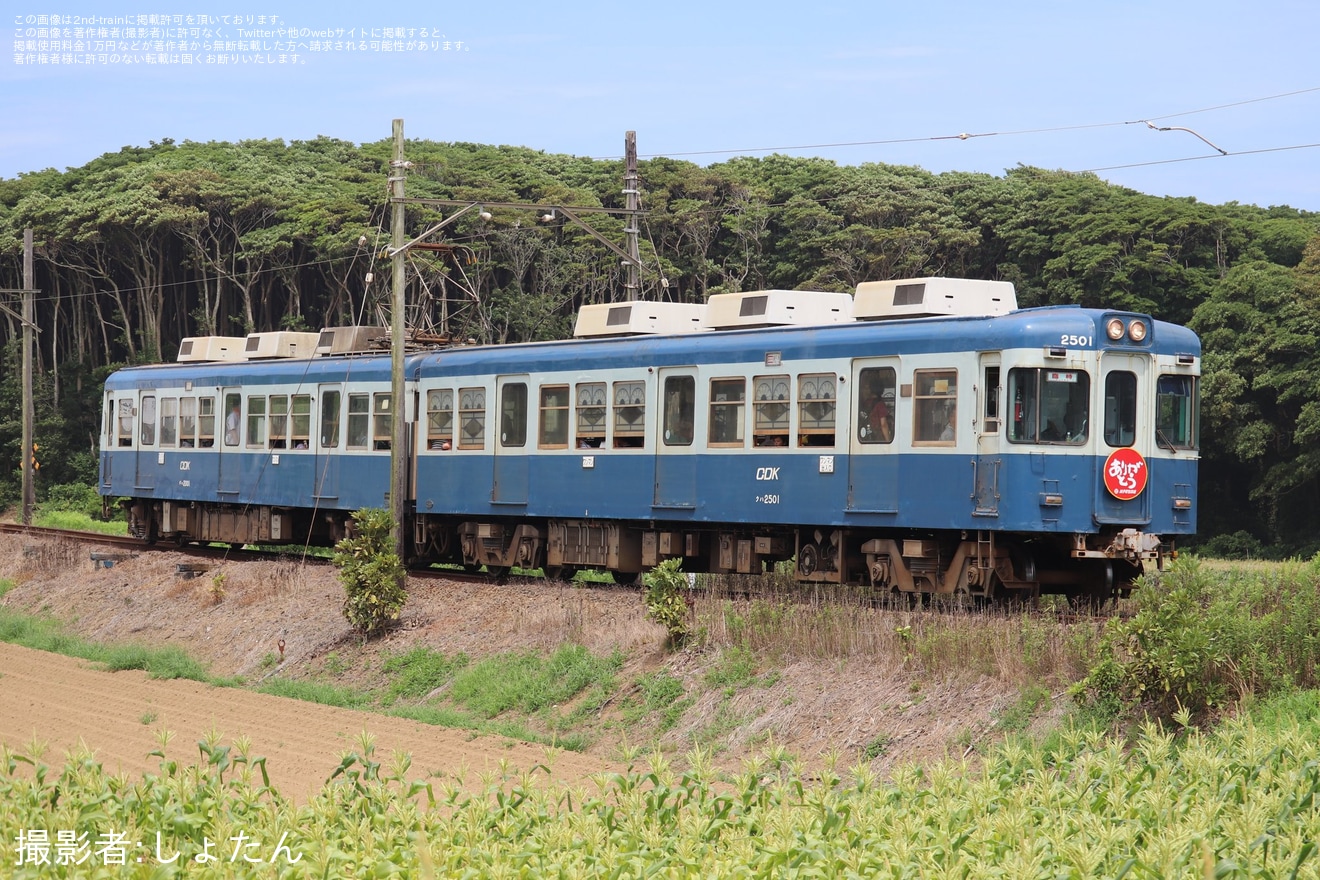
{"type": "Point", "coordinates": [528, 682]}
{"type": "Point", "coordinates": [420, 671]}
{"type": "Point", "coordinates": [315, 692]}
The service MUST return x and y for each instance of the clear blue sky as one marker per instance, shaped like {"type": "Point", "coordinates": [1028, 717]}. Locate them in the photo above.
{"type": "Point", "coordinates": [572, 77]}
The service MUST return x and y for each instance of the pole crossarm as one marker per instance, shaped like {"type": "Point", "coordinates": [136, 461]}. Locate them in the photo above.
{"type": "Point", "coordinates": [434, 229]}
{"type": "Point", "coordinates": [627, 257]}
{"type": "Point", "coordinates": [15, 315]}
{"type": "Point", "coordinates": [522, 206]}
{"type": "Point", "coordinates": [568, 211]}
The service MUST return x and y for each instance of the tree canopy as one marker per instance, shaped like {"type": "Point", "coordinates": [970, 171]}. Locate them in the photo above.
{"type": "Point", "coordinates": [140, 248]}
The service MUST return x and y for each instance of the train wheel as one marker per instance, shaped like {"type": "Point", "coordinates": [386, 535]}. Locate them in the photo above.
{"type": "Point", "coordinates": [498, 573]}
{"type": "Point", "coordinates": [625, 578]}
{"type": "Point", "coordinates": [1097, 589]}
{"type": "Point", "coordinates": [563, 573]}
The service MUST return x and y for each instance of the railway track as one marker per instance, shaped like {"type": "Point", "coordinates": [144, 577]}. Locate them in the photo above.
{"type": "Point", "coordinates": [212, 552]}
{"type": "Point", "coordinates": [725, 591]}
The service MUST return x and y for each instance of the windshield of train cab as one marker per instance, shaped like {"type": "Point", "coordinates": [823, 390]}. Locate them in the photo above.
{"type": "Point", "coordinates": [1048, 406]}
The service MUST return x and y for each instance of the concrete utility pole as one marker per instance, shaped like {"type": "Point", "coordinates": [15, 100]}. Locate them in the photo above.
{"type": "Point", "coordinates": [632, 190]}
{"type": "Point", "coordinates": [399, 436]}
{"type": "Point", "coordinates": [29, 414]}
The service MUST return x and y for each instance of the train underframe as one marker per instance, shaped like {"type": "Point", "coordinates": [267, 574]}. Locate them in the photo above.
{"type": "Point", "coordinates": [981, 565]}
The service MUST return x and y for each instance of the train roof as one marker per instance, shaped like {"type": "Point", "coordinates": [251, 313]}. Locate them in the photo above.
{"type": "Point", "coordinates": [282, 371]}
{"type": "Point", "coordinates": [1024, 328]}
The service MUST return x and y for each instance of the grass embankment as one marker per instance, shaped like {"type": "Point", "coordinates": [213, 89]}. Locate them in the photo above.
{"type": "Point", "coordinates": [46, 634]}
{"type": "Point", "coordinates": [523, 695]}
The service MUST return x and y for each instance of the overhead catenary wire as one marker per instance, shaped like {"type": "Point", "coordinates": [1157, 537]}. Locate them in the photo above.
{"type": "Point", "coordinates": [964, 136]}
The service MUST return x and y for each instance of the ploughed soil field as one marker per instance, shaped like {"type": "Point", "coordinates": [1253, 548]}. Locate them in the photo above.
{"type": "Point", "coordinates": [61, 702]}
{"type": "Point", "coordinates": [280, 619]}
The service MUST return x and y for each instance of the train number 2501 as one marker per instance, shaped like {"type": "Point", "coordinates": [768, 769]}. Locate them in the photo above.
{"type": "Point", "coordinates": [1078, 341]}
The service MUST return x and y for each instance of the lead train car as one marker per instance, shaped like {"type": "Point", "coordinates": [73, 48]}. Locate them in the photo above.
{"type": "Point", "coordinates": [1048, 450]}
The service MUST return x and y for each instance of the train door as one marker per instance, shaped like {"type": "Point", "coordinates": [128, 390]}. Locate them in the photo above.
{"type": "Point", "coordinates": [108, 442]}
{"type": "Point", "coordinates": [985, 490]}
{"type": "Point", "coordinates": [147, 462]}
{"type": "Point", "coordinates": [511, 459]}
{"type": "Point", "coordinates": [1125, 438]}
{"type": "Point", "coordinates": [230, 468]}
{"type": "Point", "coordinates": [872, 444]}
{"type": "Point", "coordinates": [675, 458]}
{"type": "Point", "coordinates": [328, 434]}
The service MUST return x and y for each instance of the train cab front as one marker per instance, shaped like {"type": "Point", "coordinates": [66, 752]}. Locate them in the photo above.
{"type": "Point", "coordinates": [1148, 445]}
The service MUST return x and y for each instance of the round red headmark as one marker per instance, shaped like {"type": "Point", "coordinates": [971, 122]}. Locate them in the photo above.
{"type": "Point", "coordinates": [1125, 474]}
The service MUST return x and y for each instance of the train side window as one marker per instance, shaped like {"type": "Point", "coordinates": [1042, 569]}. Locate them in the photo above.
{"type": "Point", "coordinates": [513, 415]}
{"type": "Point", "coordinates": [935, 407]}
{"type": "Point", "coordinates": [629, 414]}
{"type": "Point", "coordinates": [301, 418]}
{"type": "Point", "coordinates": [727, 402]}
{"type": "Point", "coordinates": [169, 422]}
{"type": "Point", "coordinates": [279, 421]}
{"type": "Point", "coordinates": [439, 418]}
{"type": "Point", "coordinates": [1120, 408]}
{"type": "Point", "coordinates": [472, 418]}
{"type": "Point", "coordinates": [590, 414]}
{"type": "Point", "coordinates": [233, 419]}
{"type": "Point", "coordinates": [680, 407]}
{"type": "Point", "coordinates": [554, 417]}
{"type": "Point", "coordinates": [990, 422]}
{"type": "Point", "coordinates": [187, 421]}
{"type": "Point", "coordinates": [1048, 406]}
{"type": "Point", "coordinates": [148, 435]}
{"type": "Point", "coordinates": [770, 410]}
{"type": "Point", "coordinates": [875, 405]}
{"type": "Point", "coordinates": [359, 419]}
{"type": "Point", "coordinates": [206, 422]}
{"type": "Point", "coordinates": [256, 422]}
{"type": "Point", "coordinates": [382, 421]}
{"type": "Point", "coordinates": [1175, 412]}
{"type": "Point", "coordinates": [816, 398]}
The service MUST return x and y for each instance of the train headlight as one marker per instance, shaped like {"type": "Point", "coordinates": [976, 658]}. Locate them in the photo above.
{"type": "Point", "coordinates": [1137, 330]}
{"type": "Point", "coordinates": [1114, 328]}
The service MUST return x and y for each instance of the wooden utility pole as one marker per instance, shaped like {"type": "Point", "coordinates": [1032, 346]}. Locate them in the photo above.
{"type": "Point", "coordinates": [29, 412]}
{"type": "Point", "coordinates": [632, 190]}
{"type": "Point", "coordinates": [399, 436]}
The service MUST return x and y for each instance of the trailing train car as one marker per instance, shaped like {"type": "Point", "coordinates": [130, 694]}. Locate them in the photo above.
{"type": "Point", "coordinates": [978, 450]}
{"type": "Point", "coordinates": [263, 451]}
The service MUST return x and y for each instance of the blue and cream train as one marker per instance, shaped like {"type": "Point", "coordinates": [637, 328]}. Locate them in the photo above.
{"type": "Point", "coordinates": [979, 449]}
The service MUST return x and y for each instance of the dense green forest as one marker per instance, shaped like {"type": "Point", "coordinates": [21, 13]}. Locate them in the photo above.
{"type": "Point", "coordinates": [140, 248]}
